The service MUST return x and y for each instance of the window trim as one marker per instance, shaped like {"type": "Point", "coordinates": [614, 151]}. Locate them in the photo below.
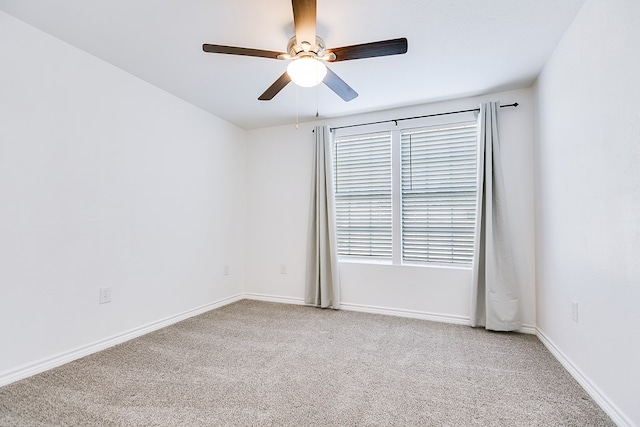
{"type": "Point", "coordinates": [396, 186]}
{"type": "Point", "coordinates": [452, 180]}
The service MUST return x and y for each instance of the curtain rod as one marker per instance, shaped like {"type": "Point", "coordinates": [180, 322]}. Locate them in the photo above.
{"type": "Point", "coordinates": [515, 104]}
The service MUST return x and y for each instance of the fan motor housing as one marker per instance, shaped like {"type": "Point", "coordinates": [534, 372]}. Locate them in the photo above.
{"type": "Point", "coordinates": [294, 48]}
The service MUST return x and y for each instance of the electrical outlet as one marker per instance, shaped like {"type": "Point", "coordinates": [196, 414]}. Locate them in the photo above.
{"type": "Point", "coordinates": [574, 311]}
{"type": "Point", "coordinates": [105, 295]}
{"type": "Point", "coordinates": [226, 270]}
{"type": "Point", "coordinates": [283, 268]}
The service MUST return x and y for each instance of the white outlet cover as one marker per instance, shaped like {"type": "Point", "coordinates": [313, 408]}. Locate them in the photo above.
{"type": "Point", "coordinates": [574, 311]}
{"type": "Point", "coordinates": [105, 295]}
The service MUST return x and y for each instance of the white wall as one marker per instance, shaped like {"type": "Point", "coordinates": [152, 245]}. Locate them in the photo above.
{"type": "Point", "coordinates": [106, 180]}
{"type": "Point", "coordinates": [278, 190]}
{"type": "Point", "coordinates": [587, 178]}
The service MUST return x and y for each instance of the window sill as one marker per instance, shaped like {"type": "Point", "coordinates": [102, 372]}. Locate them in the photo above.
{"type": "Point", "coordinates": [436, 265]}
{"type": "Point", "coordinates": [364, 261]}
{"type": "Point", "coordinates": [345, 260]}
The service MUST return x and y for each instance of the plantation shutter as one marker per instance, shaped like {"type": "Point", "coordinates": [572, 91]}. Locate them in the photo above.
{"type": "Point", "coordinates": [439, 192]}
{"type": "Point", "coordinates": [362, 168]}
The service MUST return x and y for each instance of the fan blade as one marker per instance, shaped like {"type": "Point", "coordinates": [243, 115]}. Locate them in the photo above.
{"type": "Point", "coordinates": [232, 50]}
{"type": "Point", "coordinates": [370, 50]}
{"type": "Point", "coordinates": [304, 19]}
{"type": "Point", "coordinates": [339, 86]}
{"type": "Point", "coordinates": [276, 87]}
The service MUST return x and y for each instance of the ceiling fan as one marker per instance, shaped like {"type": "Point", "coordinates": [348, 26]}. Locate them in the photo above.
{"type": "Point", "coordinates": [308, 55]}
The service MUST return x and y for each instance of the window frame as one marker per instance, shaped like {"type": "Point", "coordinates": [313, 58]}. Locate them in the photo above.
{"type": "Point", "coordinates": [441, 175]}
{"type": "Point", "coordinates": [395, 130]}
{"type": "Point", "coordinates": [338, 198]}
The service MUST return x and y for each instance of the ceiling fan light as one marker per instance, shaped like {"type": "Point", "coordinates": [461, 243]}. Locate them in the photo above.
{"type": "Point", "coordinates": [307, 71]}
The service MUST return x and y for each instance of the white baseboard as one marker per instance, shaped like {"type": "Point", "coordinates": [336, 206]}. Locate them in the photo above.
{"type": "Point", "coordinates": [413, 314]}
{"type": "Point", "coordinates": [528, 329]}
{"type": "Point", "coordinates": [596, 394]}
{"type": "Point", "coordinates": [273, 298]}
{"type": "Point", "coordinates": [461, 320]}
{"type": "Point", "coordinates": [47, 363]}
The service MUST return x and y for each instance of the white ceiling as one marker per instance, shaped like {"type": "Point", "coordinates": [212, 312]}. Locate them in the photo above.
{"type": "Point", "coordinates": [456, 48]}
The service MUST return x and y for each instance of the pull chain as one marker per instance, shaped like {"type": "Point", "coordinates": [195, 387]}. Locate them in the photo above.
{"type": "Point", "coordinates": [297, 107]}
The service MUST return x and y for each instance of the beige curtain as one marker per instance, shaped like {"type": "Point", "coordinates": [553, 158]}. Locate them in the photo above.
{"type": "Point", "coordinates": [322, 281]}
{"type": "Point", "coordinates": [494, 296]}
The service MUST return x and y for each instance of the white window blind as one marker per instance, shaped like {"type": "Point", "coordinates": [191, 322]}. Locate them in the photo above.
{"type": "Point", "coordinates": [439, 192]}
{"type": "Point", "coordinates": [362, 168]}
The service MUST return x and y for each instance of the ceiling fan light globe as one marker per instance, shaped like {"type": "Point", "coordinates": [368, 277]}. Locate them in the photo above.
{"type": "Point", "coordinates": [307, 71]}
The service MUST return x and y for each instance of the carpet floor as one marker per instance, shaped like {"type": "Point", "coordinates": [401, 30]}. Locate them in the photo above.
{"type": "Point", "coordinates": [256, 363]}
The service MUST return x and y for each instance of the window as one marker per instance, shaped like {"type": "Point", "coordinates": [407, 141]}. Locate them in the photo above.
{"type": "Point", "coordinates": [439, 181]}
{"type": "Point", "coordinates": [362, 168]}
{"type": "Point", "coordinates": [430, 184]}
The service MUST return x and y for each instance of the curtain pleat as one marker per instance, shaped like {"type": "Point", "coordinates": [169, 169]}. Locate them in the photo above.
{"type": "Point", "coordinates": [322, 287]}
{"type": "Point", "coordinates": [494, 295]}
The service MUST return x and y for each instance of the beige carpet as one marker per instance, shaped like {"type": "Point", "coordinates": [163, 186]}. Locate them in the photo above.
{"type": "Point", "coordinates": [257, 363]}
